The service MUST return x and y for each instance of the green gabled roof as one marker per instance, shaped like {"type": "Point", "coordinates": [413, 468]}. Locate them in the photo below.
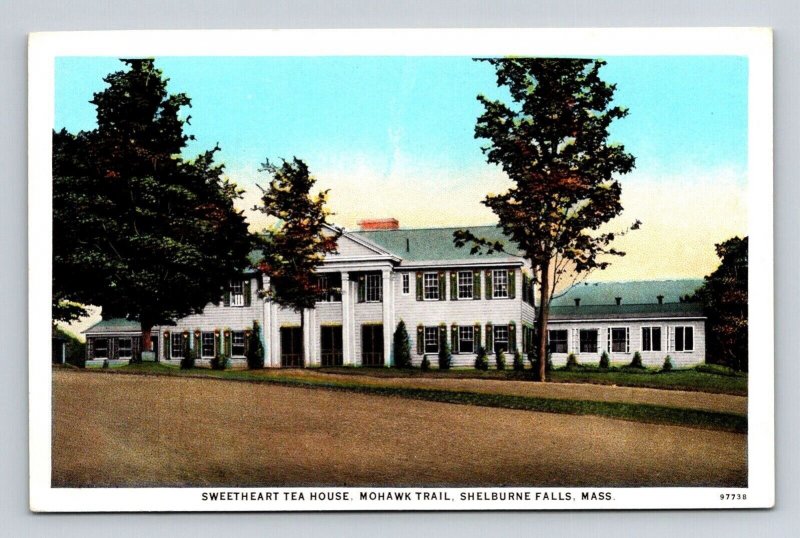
{"type": "Point", "coordinates": [114, 325]}
{"type": "Point", "coordinates": [435, 244]}
{"type": "Point", "coordinates": [632, 292]}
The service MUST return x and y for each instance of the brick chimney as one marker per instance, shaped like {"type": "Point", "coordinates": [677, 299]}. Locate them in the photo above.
{"type": "Point", "coordinates": [378, 224]}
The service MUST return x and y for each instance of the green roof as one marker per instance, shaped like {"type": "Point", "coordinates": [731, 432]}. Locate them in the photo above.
{"type": "Point", "coordinates": [631, 292]}
{"type": "Point", "coordinates": [435, 244]}
{"type": "Point", "coordinates": [114, 325]}
{"type": "Point", "coordinates": [639, 298]}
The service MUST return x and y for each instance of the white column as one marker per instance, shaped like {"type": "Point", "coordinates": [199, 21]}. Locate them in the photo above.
{"type": "Point", "coordinates": [275, 336]}
{"type": "Point", "coordinates": [266, 324]}
{"type": "Point", "coordinates": [388, 317]}
{"type": "Point", "coordinates": [306, 323]}
{"type": "Point", "coordinates": [347, 328]}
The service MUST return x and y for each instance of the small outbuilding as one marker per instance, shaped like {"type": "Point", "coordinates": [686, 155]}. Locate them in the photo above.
{"type": "Point", "coordinates": [114, 340]}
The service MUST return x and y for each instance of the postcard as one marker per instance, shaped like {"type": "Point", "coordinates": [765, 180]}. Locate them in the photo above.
{"type": "Point", "coordinates": [463, 269]}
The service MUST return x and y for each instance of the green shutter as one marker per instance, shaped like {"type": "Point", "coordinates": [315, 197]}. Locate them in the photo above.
{"type": "Point", "coordinates": [512, 284]}
{"type": "Point", "coordinates": [226, 298]}
{"type": "Point", "coordinates": [454, 338]}
{"type": "Point", "coordinates": [512, 336]}
{"type": "Point", "coordinates": [489, 339]}
{"type": "Point", "coordinates": [476, 337]}
{"type": "Point", "coordinates": [246, 289]}
{"type": "Point", "coordinates": [419, 286]}
{"type": "Point", "coordinates": [420, 339]}
{"type": "Point", "coordinates": [453, 285]}
{"type": "Point", "coordinates": [476, 285]}
{"type": "Point", "coordinates": [442, 286]}
{"type": "Point", "coordinates": [220, 347]}
{"type": "Point", "coordinates": [168, 345]}
{"type": "Point", "coordinates": [362, 289]}
{"type": "Point", "coordinates": [228, 346]}
{"type": "Point", "coordinates": [488, 284]}
{"type": "Point", "coordinates": [442, 335]}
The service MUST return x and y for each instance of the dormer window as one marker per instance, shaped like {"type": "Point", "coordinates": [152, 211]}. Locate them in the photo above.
{"type": "Point", "coordinates": [237, 293]}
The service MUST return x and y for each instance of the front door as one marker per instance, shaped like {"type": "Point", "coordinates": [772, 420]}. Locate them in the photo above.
{"type": "Point", "coordinates": [291, 347]}
{"type": "Point", "coordinates": [331, 345]}
{"type": "Point", "coordinates": [372, 345]}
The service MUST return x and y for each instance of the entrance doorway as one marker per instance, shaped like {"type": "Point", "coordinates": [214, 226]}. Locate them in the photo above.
{"type": "Point", "coordinates": [291, 347]}
{"type": "Point", "coordinates": [331, 346]}
{"type": "Point", "coordinates": [372, 345]}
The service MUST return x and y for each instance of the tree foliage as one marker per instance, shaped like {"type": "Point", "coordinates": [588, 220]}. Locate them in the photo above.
{"type": "Point", "coordinates": [552, 142]}
{"type": "Point", "coordinates": [138, 229]}
{"type": "Point", "coordinates": [302, 236]}
{"type": "Point", "coordinates": [724, 299]}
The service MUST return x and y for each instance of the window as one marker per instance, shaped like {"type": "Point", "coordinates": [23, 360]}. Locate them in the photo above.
{"type": "Point", "coordinates": [237, 343]}
{"type": "Point", "coordinates": [588, 341]}
{"type": "Point", "coordinates": [651, 338]}
{"type": "Point", "coordinates": [432, 339]}
{"type": "Point", "coordinates": [430, 286]}
{"type": "Point", "coordinates": [465, 284]}
{"type": "Point", "coordinates": [125, 348]}
{"type": "Point", "coordinates": [374, 290]}
{"type": "Point", "coordinates": [466, 339]}
{"type": "Point", "coordinates": [330, 288]}
{"type": "Point", "coordinates": [500, 338]}
{"type": "Point", "coordinates": [101, 348]}
{"type": "Point", "coordinates": [500, 284]}
{"type": "Point", "coordinates": [557, 341]}
{"type": "Point", "coordinates": [406, 284]}
{"type": "Point", "coordinates": [684, 338]}
{"type": "Point", "coordinates": [619, 340]}
{"type": "Point", "coordinates": [177, 346]}
{"type": "Point", "coordinates": [237, 293]}
{"type": "Point", "coordinates": [207, 344]}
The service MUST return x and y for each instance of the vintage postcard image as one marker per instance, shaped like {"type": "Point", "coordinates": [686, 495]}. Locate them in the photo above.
{"type": "Point", "coordinates": [401, 270]}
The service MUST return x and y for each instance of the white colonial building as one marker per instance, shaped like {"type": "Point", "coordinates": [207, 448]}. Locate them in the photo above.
{"type": "Point", "coordinates": [382, 274]}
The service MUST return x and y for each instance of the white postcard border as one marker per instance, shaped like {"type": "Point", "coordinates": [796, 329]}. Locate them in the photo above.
{"type": "Point", "coordinates": [756, 44]}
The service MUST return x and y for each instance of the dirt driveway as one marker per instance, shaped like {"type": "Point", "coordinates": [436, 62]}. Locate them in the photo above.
{"type": "Point", "coordinates": [117, 430]}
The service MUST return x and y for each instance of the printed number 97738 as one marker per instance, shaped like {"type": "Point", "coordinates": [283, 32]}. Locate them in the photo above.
{"type": "Point", "coordinates": [733, 496]}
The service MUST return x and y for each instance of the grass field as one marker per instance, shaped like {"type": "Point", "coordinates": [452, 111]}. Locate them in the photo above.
{"type": "Point", "coordinates": [643, 405]}
{"type": "Point", "coordinates": [167, 430]}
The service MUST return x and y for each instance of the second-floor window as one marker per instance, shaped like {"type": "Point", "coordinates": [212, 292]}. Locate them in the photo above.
{"type": "Point", "coordinates": [406, 284]}
{"type": "Point", "coordinates": [374, 288]}
{"type": "Point", "coordinates": [330, 288]}
{"type": "Point", "coordinates": [465, 285]}
{"type": "Point", "coordinates": [430, 286]}
{"type": "Point", "coordinates": [237, 293]}
{"type": "Point", "coordinates": [500, 284]}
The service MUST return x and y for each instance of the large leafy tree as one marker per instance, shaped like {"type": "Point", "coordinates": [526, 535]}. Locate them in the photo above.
{"type": "Point", "coordinates": [300, 235]}
{"type": "Point", "coordinates": [552, 142]}
{"type": "Point", "coordinates": [724, 299]}
{"type": "Point", "coordinates": [138, 229]}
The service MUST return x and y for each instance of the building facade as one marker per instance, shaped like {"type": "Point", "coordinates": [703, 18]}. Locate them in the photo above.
{"type": "Point", "coordinates": [380, 275]}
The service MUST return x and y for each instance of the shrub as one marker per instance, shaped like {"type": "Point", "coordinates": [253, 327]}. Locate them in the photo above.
{"type": "Point", "coordinates": [572, 362]}
{"type": "Point", "coordinates": [605, 361]}
{"type": "Point", "coordinates": [189, 357]}
{"type": "Point", "coordinates": [518, 364]}
{"type": "Point", "coordinates": [445, 357]}
{"type": "Point", "coordinates": [667, 364]}
{"type": "Point", "coordinates": [718, 369]}
{"type": "Point", "coordinates": [500, 359]}
{"type": "Point", "coordinates": [426, 363]}
{"type": "Point", "coordinates": [481, 361]}
{"type": "Point", "coordinates": [105, 363]}
{"type": "Point", "coordinates": [402, 346]}
{"type": "Point", "coordinates": [636, 361]}
{"type": "Point", "coordinates": [255, 351]}
{"type": "Point", "coordinates": [220, 362]}
{"type": "Point", "coordinates": [76, 350]}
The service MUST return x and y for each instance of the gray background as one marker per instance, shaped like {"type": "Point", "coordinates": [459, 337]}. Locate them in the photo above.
{"type": "Point", "coordinates": [19, 18]}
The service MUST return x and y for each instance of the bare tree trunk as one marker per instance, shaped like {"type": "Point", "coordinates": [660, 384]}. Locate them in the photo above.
{"type": "Point", "coordinates": [542, 318]}
{"type": "Point", "coordinates": [303, 338]}
{"type": "Point", "coordinates": [147, 337]}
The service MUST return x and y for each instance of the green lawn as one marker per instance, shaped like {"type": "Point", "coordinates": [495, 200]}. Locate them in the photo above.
{"type": "Point", "coordinates": [626, 411]}
{"type": "Point", "coordinates": [702, 379]}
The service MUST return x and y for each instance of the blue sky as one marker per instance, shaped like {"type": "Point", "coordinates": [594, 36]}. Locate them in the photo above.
{"type": "Point", "coordinates": [401, 130]}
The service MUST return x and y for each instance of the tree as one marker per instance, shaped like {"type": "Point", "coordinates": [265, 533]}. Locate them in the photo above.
{"type": "Point", "coordinates": [724, 299]}
{"type": "Point", "coordinates": [552, 143]}
{"type": "Point", "coordinates": [402, 346]}
{"type": "Point", "coordinates": [292, 249]}
{"type": "Point", "coordinates": [138, 229]}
